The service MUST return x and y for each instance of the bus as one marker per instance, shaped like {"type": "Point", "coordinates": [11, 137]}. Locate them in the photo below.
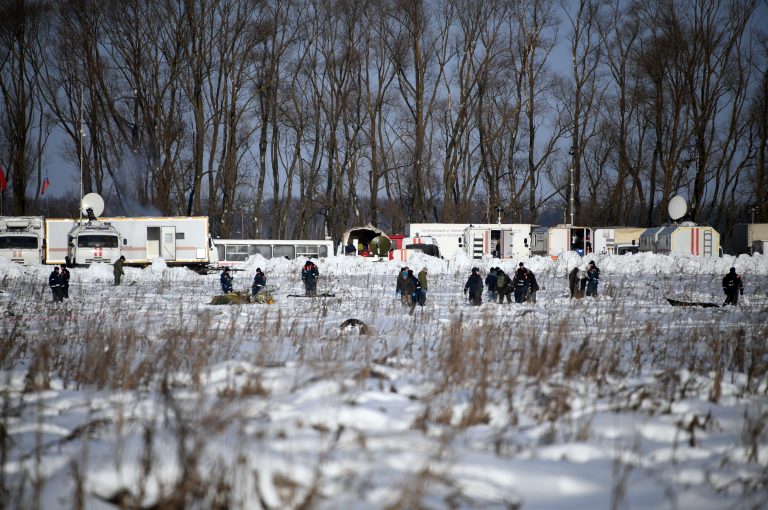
{"type": "Point", "coordinates": [235, 251]}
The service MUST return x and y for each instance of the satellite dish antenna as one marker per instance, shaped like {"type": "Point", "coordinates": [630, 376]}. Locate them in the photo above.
{"type": "Point", "coordinates": [677, 207]}
{"type": "Point", "coordinates": [93, 205]}
{"type": "Point", "coordinates": [380, 246]}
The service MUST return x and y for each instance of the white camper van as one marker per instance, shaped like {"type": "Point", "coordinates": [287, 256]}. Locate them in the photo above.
{"type": "Point", "coordinates": [21, 239]}
{"type": "Point", "coordinates": [502, 240]}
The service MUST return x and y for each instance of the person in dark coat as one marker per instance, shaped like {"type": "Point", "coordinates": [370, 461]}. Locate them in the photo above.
{"type": "Point", "coordinates": [117, 269]}
{"type": "Point", "coordinates": [520, 284]}
{"type": "Point", "coordinates": [573, 283]}
{"type": "Point", "coordinates": [349, 249]}
{"type": "Point", "coordinates": [309, 275]}
{"type": "Point", "coordinates": [226, 281]}
{"type": "Point", "coordinates": [490, 284]}
{"type": "Point", "coordinates": [416, 292]}
{"type": "Point", "coordinates": [400, 291]}
{"type": "Point", "coordinates": [259, 282]}
{"type": "Point", "coordinates": [503, 286]}
{"type": "Point", "coordinates": [54, 282]}
{"type": "Point", "coordinates": [593, 278]}
{"type": "Point", "coordinates": [64, 278]}
{"type": "Point", "coordinates": [732, 287]}
{"type": "Point", "coordinates": [533, 286]}
{"type": "Point", "coordinates": [474, 287]}
{"type": "Point", "coordinates": [424, 286]}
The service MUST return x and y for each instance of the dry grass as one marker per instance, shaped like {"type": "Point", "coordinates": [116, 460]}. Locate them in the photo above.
{"type": "Point", "coordinates": [530, 365]}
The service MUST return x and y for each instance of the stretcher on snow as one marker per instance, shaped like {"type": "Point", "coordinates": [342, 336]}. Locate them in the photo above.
{"type": "Point", "coordinates": [675, 302]}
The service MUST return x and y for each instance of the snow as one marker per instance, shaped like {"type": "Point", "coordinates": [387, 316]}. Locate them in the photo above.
{"type": "Point", "coordinates": [617, 401]}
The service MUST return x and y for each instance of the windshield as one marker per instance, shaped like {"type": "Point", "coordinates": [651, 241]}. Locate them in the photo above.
{"type": "Point", "coordinates": [97, 241]}
{"type": "Point", "coordinates": [428, 249]}
{"type": "Point", "coordinates": [18, 242]}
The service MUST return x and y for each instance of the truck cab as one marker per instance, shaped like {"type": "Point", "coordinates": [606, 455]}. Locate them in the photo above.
{"type": "Point", "coordinates": [93, 241]}
{"type": "Point", "coordinates": [21, 239]}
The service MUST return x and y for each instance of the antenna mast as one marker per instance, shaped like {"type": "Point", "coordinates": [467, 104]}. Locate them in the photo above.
{"type": "Point", "coordinates": [80, 155]}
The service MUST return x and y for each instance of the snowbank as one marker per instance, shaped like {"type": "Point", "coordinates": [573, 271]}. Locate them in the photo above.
{"type": "Point", "coordinates": [630, 264]}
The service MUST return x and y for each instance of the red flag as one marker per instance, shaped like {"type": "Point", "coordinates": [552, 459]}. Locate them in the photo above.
{"type": "Point", "coordinates": [3, 182]}
{"type": "Point", "coordinates": [45, 185]}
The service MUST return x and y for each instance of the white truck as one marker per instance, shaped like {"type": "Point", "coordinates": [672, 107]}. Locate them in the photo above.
{"type": "Point", "coordinates": [21, 239]}
{"type": "Point", "coordinates": [500, 240]}
{"type": "Point", "coordinates": [80, 243]}
{"type": "Point", "coordinates": [179, 240]}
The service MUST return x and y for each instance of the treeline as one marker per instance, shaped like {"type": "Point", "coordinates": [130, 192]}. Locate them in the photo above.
{"type": "Point", "coordinates": [310, 115]}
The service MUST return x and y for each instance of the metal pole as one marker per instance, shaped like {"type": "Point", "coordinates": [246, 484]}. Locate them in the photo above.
{"type": "Point", "coordinates": [572, 200]}
{"type": "Point", "coordinates": [80, 156]}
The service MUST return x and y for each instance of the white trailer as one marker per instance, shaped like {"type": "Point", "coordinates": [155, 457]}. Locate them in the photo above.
{"type": "Point", "coordinates": [21, 239]}
{"type": "Point", "coordinates": [617, 240]}
{"type": "Point", "coordinates": [696, 240]}
{"type": "Point", "coordinates": [745, 235]}
{"type": "Point", "coordinates": [565, 238]}
{"type": "Point", "coordinates": [179, 240]}
{"type": "Point", "coordinates": [503, 240]}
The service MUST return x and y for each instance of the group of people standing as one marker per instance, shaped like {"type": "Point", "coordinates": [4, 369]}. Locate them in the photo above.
{"type": "Point", "coordinates": [587, 284]}
{"type": "Point", "coordinates": [412, 289]}
{"type": "Point", "coordinates": [58, 281]}
{"type": "Point", "coordinates": [522, 285]}
{"type": "Point", "coordinates": [309, 276]}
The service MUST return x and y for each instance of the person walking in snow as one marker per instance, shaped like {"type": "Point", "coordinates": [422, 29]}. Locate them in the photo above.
{"type": "Point", "coordinates": [226, 281]}
{"type": "Point", "coordinates": [416, 292]}
{"type": "Point", "coordinates": [593, 278]}
{"type": "Point", "coordinates": [407, 288]}
{"type": "Point", "coordinates": [64, 277]}
{"type": "Point", "coordinates": [400, 291]}
{"type": "Point", "coordinates": [474, 287]}
{"type": "Point", "coordinates": [533, 286]}
{"type": "Point", "coordinates": [424, 286]}
{"type": "Point", "coordinates": [117, 269]}
{"type": "Point", "coordinates": [573, 283]}
{"type": "Point", "coordinates": [259, 282]}
{"type": "Point", "coordinates": [732, 287]}
{"type": "Point", "coordinates": [309, 275]}
{"type": "Point", "coordinates": [54, 282]}
{"type": "Point", "coordinates": [490, 284]}
{"type": "Point", "coordinates": [503, 286]}
{"type": "Point", "coordinates": [520, 284]}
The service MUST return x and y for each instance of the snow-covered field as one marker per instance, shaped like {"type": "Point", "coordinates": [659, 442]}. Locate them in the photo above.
{"type": "Point", "coordinates": [147, 396]}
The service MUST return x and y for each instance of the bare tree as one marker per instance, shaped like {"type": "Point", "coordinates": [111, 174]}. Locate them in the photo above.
{"type": "Point", "coordinates": [584, 92]}
{"type": "Point", "coordinates": [23, 31]}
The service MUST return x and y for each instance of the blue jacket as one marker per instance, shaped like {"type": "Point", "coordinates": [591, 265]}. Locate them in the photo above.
{"type": "Point", "coordinates": [226, 282]}
{"type": "Point", "coordinates": [309, 274]}
{"type": "Point", "coordinates": [490, 281]}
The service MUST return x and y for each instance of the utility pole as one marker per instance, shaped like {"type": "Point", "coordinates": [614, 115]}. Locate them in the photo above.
{"type": "Point", "coordinates": [571, 153]}
{"type": "Point", "coordinates": [80, 155]}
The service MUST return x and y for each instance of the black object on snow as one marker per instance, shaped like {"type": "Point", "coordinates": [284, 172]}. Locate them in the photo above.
{"type": "Point", "coordinates": [675, 302]}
